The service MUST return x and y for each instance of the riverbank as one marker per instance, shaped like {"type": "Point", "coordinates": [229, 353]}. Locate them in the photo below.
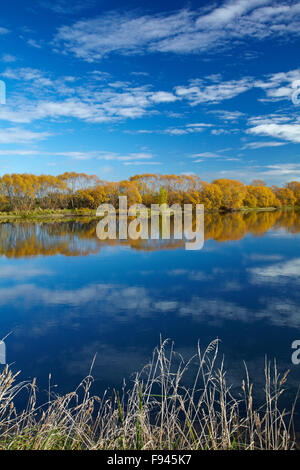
{"type": "Point", "coordinates": [46, 213]}
{"type": "Point", "coordinates": [64, 213]}
{"type": "Point", "coordinates": [157, 412]}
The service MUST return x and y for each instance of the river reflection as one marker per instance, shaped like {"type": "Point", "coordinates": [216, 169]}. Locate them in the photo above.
{"type": "Point", "coordinates": [77, 237]}
{"type": "Point", "coordinates": [65, 296]}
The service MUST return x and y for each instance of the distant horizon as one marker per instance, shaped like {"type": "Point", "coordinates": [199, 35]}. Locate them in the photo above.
{"type": "Point", "coordinates": [134, 175]}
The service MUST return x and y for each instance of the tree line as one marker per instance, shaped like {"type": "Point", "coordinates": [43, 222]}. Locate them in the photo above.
{"type": "Point", "coordinates": [26, 192]}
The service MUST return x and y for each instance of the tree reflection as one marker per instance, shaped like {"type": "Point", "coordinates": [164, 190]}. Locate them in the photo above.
{"type": "Point", "coordinates": [77, 237]}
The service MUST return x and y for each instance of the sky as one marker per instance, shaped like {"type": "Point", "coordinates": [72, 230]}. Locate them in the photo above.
{"type": "Point", "coordinates": [131, 87]}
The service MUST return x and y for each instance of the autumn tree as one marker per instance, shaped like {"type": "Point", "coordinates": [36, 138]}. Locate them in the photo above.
{"type": "Point", "coordinates": [264, 196]}
{"type": "Point", "coordinates": [50, 191]}
{"type": "Point", "coordinates": [162, 196]}
{"type": "Point", "coordinates": [250, 199]}
{"type": "Point", "coordinates": [258, 182]}
{"type": "Point", "coordinates": [285, 196]}
{"type": "Point", "coordinates": [75, 182]}
{"type": "Point", "coordinates": [233, 193]}
{"type": "Point", "coordinates": [24, 192]}
{"type": "Point", "coordinates": [211, 196]}
{"type": "Point", "coordinates": [130, 189]}
{"type": "Point", "coordinates": [294, 186]}
{"type": "Point", "coordinates": [19, 190]}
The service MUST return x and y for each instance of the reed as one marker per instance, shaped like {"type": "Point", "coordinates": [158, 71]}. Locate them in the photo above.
{"type": "Point", "coordinates": [157, 412]}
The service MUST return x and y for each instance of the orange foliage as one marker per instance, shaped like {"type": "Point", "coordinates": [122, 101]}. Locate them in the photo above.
{"type": "Point", "coordinates": [25, 192]}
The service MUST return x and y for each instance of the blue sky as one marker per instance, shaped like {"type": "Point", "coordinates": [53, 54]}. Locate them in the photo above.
{"type": "Point", "coordinates": [125, 87]}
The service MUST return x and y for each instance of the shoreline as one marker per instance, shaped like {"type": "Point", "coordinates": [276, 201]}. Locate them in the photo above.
{"type": "Point", "coordinates": [92, 214]}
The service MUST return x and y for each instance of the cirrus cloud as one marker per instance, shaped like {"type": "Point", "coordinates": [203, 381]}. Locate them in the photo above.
{"type": "Point", "coordinates": [183, 31]}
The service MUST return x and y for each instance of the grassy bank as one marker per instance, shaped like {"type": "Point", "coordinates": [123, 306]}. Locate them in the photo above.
{"type": "Point", "coordinates": [63, 213]}
{"type": "Point", "coordinates": [46, 213]}
{"type": "Point", "coordinates": [157, 412]}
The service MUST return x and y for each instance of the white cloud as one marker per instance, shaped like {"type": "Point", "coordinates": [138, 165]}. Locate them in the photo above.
{"type": "Point", "coordinates": [33, 152]}
{"type": "Point", "coordinates": [64, 7]}
{"type": "Point", "coordinates": [16, 135]}
{"type": "Point", "coordinates": [163, 97]}
{"type": "Point", "coordinates": [96, 101]}
{"type": "Point", "coordinates": [199, 92]}
{"type": "Point", "coordinates": [90, 111]}
{"type": "Point", "coordinates": [289, 268]}
{"type": "Point", "coordinates": [182, 130]}
{"type": "Point", "coordinates": [19, 273]}
{"type": "Point", "coordinates": [130, 157]}
{"type": "Point", "coordinates": [184, 31]}
{"type": "Point", "coordinates": [8, 58]}
{"type": "Point", "coordinates": [141, 163]}
{"type": "Point", "coordinates": [283, 169]}
{"type": "Point", "coordinates": [165, 305]}
{"type": "Point", "coordinates": [198, 124]}
{"type": "Point", "coordinates": [279, 86]}
{"type": "Point", "coordinates": [74, 154]}
{"type": "Point", "coordinates": [206, 155]}
{"type": "Point", "coordinates": [187, 129]}
{"type": "Point", "coordinates": [277, 174]}
{"type": "Point", "coordinates": [38, 84]}
{"type": "Point", "coordinates": [90, 101]}
{"type": "Point", "coordinates": [228, 115]}
{"type": "Point", "coordinates": [228, 12]}
{"type": "Point", "coordinates": [34, 43]}
{"type": "Point", "coordinates": [140, 158]}
{"type": "Point", "coordinates": [200, 157]}
{"type": "Point", "coordinates": [94, 38]}
{"type": "Point", "coordinates": [190, 274]}
{"type": "Point", "coordinates": [289, 132]}
{"type": "Point", "coordinates": [69, 108]}
{"type": "Point", "coordinates": [21, 152]}
{"type": "Point", "coordinates": [176, 131]}
{"type": "Point", "coordinates": [258, 145]}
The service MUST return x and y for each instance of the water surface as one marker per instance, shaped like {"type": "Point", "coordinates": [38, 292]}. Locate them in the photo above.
{"type": "Point", "coordinates": [66, 296]}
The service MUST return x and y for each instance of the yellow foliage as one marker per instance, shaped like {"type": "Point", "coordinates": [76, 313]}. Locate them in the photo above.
{"type": "Point", "coordinates": [24, 192]}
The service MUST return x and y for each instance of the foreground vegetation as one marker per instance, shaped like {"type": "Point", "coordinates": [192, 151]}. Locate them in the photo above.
{"type": "Point", "coordinates": [78, 191]}
{"type": "Point", "coordinates": [158, 412]}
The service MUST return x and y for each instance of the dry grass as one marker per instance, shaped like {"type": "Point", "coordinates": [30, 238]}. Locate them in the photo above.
{"type": "Point", "coordinates": [158, 412]}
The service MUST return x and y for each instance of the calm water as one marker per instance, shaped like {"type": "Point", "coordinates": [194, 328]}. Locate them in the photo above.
{"type": "Point", "coordinates": [65, 296]}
